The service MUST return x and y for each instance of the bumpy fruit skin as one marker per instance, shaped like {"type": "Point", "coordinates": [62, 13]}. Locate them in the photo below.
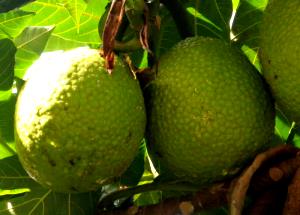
{"type": "Point", "coordinates": [208, 111]}
{"type": "Point", "coordinates": [78, 127]}
{"type": "Point", "coordinates": [280, 54]}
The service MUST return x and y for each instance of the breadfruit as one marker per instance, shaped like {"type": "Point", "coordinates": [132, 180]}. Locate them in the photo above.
{"type": "Point", "coordinates": [280, 54]}
{"type": "Point", "coordinates": [209, 111]}
{"type": "Point", "coordinates": [78, 127]}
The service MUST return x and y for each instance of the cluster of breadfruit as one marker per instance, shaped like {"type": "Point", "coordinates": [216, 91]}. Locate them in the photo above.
{"type": "Point", "coordinates": [207, 112]}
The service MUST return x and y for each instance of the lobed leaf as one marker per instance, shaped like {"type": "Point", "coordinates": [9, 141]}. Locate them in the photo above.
{"type": "Point", "coordinates": [13, 23]}
{"type": "Point", "coordinates": [147, 198]}
{"type": "Point", "coordinates": [34, 199]}
{"type": "Point", "coordinates": [71, 23]}
{"type": "Point", "coordinates": [30, 43]}
{"type": "Point", "coordinates": [7, 5]}
{"type": "Point", "coordinates": [75, 8]}
{"type": "Point", "coordinates": [252, 54]}
{"type": "Point", "coordinates": [7, 62]}
{"type": "Point", "coordinates": [283, 128]}
{"type": "Point", "coordinates": [247, 21]}
{"type": "Point", "coordinates": [7, 107]}
{"type": "Point", "coordinates": [211, 17]}
{"type": "Point", "coordinates": [133, 174]}
{"type": "Point", "coordinates": [168, 34]}
{"type": "Point", "coordinates": [235, 4]}
{"type": "Point", "coordinates": [13, 191]}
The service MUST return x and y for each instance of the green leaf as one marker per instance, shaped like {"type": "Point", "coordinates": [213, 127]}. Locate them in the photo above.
{"type": "Point", "coordinates": [13, 23]}
{"type": "Point", "coordinates": [7, 5]}
{"type": "Point", "coordinates": [282, 125]}
{"type": "Point", "coordinates": [148, 198]}
{"type": "Point", "coordinates": [7, 62]}
{"type": "Point", "coordinates": [296, 140]}
{"type": "Point", "coordinates": [30, 44]}
{"type": "Point", "coordinates": [252, 55]}
{"type": "Point", "coordinates": [96, 7]}
{"type": "Point", "coordinates": [235, 4]}
{"type": "Point", "coordinates": [13, 191]}
{"type": "Point", "coordinates": [39, 201]}
{"type": "Point", "coordinates": [211, 17]}
{"type": "Point", "coordinates": [135, 171]}
{"type": "Point", "coordinates": [75, 8]}
{"type": "Point", "coordinates": [247, 21]}
{"type": "Point", "coordinates": [56, 43]}
{"type": "Point", "coordinates": [7, 109]}
{"type": "Point", "coordinates": [168, 34]}
{"type": "Point", "coordinates": [139, 58]}
{"type": "Point", "coordinates": [54, 13]}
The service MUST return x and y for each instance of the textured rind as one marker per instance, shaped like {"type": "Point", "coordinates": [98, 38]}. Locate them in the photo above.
{"type": "Point", "coordinates": [78, 127]}
{"type": "Point", "coordinates": [280, 54]}
{"type": "Point", "coordinates": [208, 111]}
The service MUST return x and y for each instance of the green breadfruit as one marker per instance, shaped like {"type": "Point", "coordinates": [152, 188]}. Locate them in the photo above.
{"type": "Point", "coordinates": [280, 54]}
{"type": "Point", "coordinates": [208, 111]}
{"type": "Point", "coordinates": [78, 127]}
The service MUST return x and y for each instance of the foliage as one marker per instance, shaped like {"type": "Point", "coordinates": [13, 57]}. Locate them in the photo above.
{"type": "Point", "coordinates": [31, 28]}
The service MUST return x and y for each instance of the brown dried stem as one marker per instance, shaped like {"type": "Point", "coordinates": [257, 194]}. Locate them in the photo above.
{"type": "Point", "coordinates": [112, 24]}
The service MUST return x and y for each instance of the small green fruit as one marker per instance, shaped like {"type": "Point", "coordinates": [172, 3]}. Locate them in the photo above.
{"type": "Point", "coordinates": [280, 54]}
{"type": "Point", "coordinates": [209, 111]}
{"type": "Point", "coordinates": [78, 127]}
